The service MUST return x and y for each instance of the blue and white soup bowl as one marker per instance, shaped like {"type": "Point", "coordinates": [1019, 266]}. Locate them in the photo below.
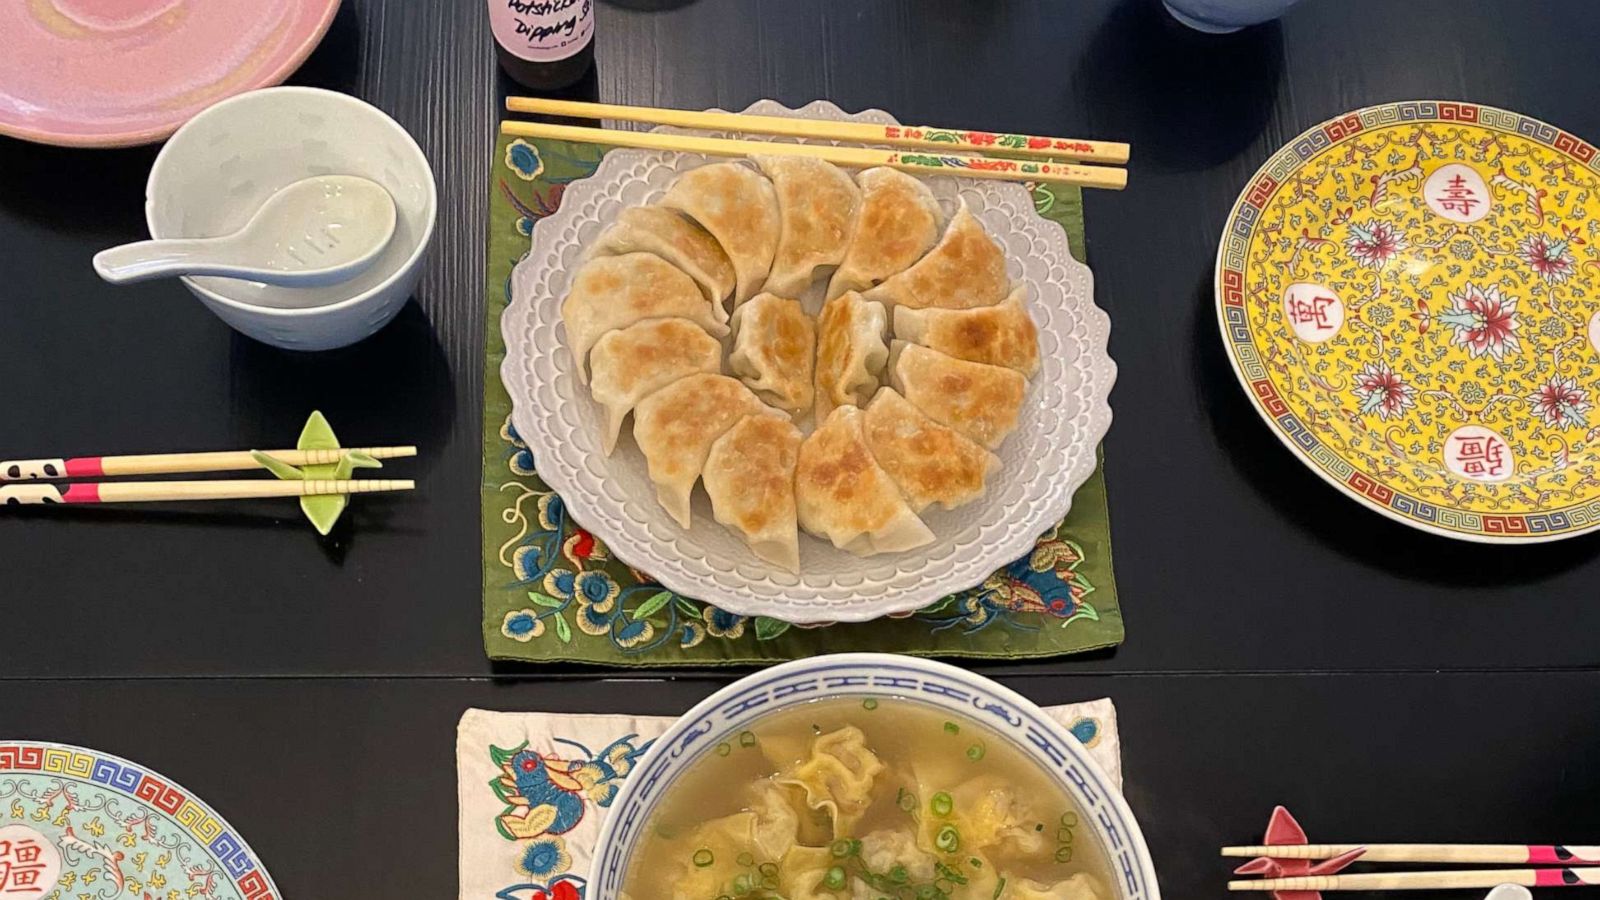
{"type": "Point", "coordinates": [944, 687]}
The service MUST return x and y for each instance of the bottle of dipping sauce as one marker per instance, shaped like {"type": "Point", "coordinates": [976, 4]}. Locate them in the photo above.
{"type": "Point", "coordinates": [544, 45]}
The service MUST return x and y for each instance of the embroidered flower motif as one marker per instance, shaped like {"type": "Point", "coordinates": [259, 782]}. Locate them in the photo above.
{"type": "Point", "coordinates": [522, 625]}
{"type": "Point", "coordinates": [1551, 258]}
{"type": "Point", "coordinates": [596, 593]}
{"type": "Point", "coordinates": [722, 624]}
{"type": "Point", "coordinates": [692, 634]}
{"type": "Point", "coordinates": [1463, 250]}
{"type": "Point", "coordinates": [1560, 403]}
{"type": "Point", "coordinates": [1374, 245]}
{"type": "Point", "coordinates": [1086, 730]}
{"type": "Point", "coordinates": [1383, 392]}
{"type": "Point", "coordinates": [521, 461]}
{"type": "Point", "coordinates": [1472, 393]}
{"type": "Point", "coordinates": [544, 858]}
{"type": "Point", "coordinates": [524, 226]}
{"type": "Point", "coordinates": [551, 512]}
{"type": "Point", "coordinates": [632, 632]}
{"type": "Point", "coordinates": [560, 583]}
{"type": "Point", "coordinates": [1485, 321]}
{"type": "Point", "coordinates": [1380, 314]}
{"type": "Point", "coordinates": [523, 158]}
{"type": "Point", "coordinates": [1553, 329]}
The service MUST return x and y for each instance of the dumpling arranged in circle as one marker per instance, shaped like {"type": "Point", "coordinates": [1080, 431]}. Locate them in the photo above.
{"type": "Point", "coordinates": [910, 374]}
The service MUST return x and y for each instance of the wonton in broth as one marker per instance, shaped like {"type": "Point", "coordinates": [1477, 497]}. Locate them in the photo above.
{"type": "Point", "coordinates": [866, 800]}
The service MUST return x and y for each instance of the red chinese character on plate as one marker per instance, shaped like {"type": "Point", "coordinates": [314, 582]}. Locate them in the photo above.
{"type": "Point", "coordinates": [1458, 193]}
{"type": "Point", "coordinates": [29, 864]}
{"type": "Point", "coordinates": [1478, 453]}
{"type": "Point", "coordinates": [1313, 310]}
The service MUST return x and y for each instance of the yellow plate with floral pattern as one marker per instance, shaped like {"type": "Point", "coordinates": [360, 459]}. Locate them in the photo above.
{"type": "Point", "coordinates": [1407, 294]}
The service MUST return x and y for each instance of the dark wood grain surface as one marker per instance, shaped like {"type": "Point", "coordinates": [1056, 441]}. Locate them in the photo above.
{"type": "Point", "coordinates": [1284, 644]}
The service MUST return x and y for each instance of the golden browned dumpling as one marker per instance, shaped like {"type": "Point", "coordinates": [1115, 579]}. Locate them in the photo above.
{"type": "Point", "coordinates": [739, 207]}
{"type": "Point", "coordinates": [613, 292]}
{"type": "Point", "coordinates": [749, 476]}
{"type": "Point", "coordinates": [667, 234]}
{"type": "Point", "coordinates": [898, 223]}
{"type": "Point", "coordinates": [676, 426]}
{"type": "Point", "coordinates": [965, 269]}
{"type": "Point", "coordinates": [851, 352]}
{"type": "Point", "coordinates": [999, 335]}
{"type": "Point", "coordinates": [634, 362]}
{"type": "Point", "coordinates": [843, 495]}
{"type": "Point", "coordinates": [774, 349]}
{"type": "Point", "coordinates": [929, 462]}
{"type": "Point", "coordinates": [980, 401]}
{"type": "Point", "coordinates": [817, 205]}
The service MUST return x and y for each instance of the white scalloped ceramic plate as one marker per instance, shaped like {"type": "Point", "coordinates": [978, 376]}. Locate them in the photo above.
{"type": "Point", "coordinates": [1045, 460]}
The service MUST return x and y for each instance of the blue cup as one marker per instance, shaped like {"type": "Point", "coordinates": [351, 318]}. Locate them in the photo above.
{"type": "Point", "coordinates": [1222, 16]}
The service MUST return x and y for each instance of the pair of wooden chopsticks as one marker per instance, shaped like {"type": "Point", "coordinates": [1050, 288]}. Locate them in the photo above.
{"type": "Point", "coordinates": [1559, 857]}
{"type": "Point", "coordinates": [40, 471]}
{"type": "Point", "coordinates": [930, 150]}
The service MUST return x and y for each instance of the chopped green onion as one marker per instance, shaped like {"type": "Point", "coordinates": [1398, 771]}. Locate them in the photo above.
{"type": "Point", "coordinates": [948, 840]}
{"type": "Point", "coordinates": [741, 885]}
{"type": "Point", "coordinates": [941, 804]}
{"type": "Point", "coordinates": [835, 878]}
{"type": "Point", "coordinates": [747, 738]}
{"type": "Point", "coordinates": [899, 875]}
{"type": "Point", "coordinates": [703, 858]}
{"type": "Point", "coordinates": [869, 704]}
{"type": "Point", "coordinates": [841, 848]}
{"type": "Point", "coordinates": [952, 728]}
{"type": "Point", "coordinates": [724, 748]}
{"type": "Point", "coordinates": [905, 800]}
{"type": "Point", "coordinates": [1063, 835]}
{"type": "Point", "coordinates": [745, 859]}
{"type": "Point", "coordinates": [999, 886]}
{"type": "Point", "coordinates": [975, 752]}
{"type": "Point", "coordinates": [768, 870]}
{"type": "Point", "coordinates": [1069, 819]}
{"type": "Point", "coordinates": [1063, 854]}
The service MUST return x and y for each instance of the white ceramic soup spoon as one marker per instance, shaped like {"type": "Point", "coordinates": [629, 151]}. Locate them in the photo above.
{"type": "Point", "coordinates": [312, 233]}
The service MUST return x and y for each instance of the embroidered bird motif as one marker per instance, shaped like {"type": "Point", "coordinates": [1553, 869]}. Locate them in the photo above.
{"type": "Point", "coordinates": [554, 797]}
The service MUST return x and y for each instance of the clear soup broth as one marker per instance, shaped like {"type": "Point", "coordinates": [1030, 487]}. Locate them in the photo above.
{"type": "Point", "coordinates": [866, 799]}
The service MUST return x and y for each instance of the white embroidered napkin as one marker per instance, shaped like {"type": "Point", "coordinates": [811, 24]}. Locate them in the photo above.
{"type": "Point", "coordinates": [532, 837]}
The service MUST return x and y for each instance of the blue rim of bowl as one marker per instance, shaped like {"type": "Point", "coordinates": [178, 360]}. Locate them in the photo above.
{"type": "Point", "coordinates": [299, 312]}
{"type": "Point", "coordinates": [227, 848]}
{"type": "Point", "coordinates": [875, 674]}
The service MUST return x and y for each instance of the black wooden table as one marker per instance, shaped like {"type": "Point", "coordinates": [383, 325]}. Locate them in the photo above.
{"type": "Point", "coordinates": [1284, 644]}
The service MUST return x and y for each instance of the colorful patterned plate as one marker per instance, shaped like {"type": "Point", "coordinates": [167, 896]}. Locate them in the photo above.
{"type": "Point", "coordinates": [77, 823]}
{"type": "Point", "coordinates": [1406, 293]}
{"type": "Point", "coordinates": [114, 73]}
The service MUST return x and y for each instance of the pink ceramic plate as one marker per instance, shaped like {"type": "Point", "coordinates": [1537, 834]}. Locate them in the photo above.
{"type": "Point", "coordinates": [114, 73]}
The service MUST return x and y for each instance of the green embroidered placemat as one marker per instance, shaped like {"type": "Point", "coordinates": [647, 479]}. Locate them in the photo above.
{"type": "Point", "coordinates": [553, 593]}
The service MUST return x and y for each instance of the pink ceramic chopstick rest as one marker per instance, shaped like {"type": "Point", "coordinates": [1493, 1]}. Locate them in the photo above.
{"type": "Point", "coordinates": [1282, 829]}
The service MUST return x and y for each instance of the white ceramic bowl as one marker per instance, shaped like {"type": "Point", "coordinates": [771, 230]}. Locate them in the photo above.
{"type": "Point", "coordinates": [1107, 819]}
{"type": "Point", "coordinates": [219, 167]}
